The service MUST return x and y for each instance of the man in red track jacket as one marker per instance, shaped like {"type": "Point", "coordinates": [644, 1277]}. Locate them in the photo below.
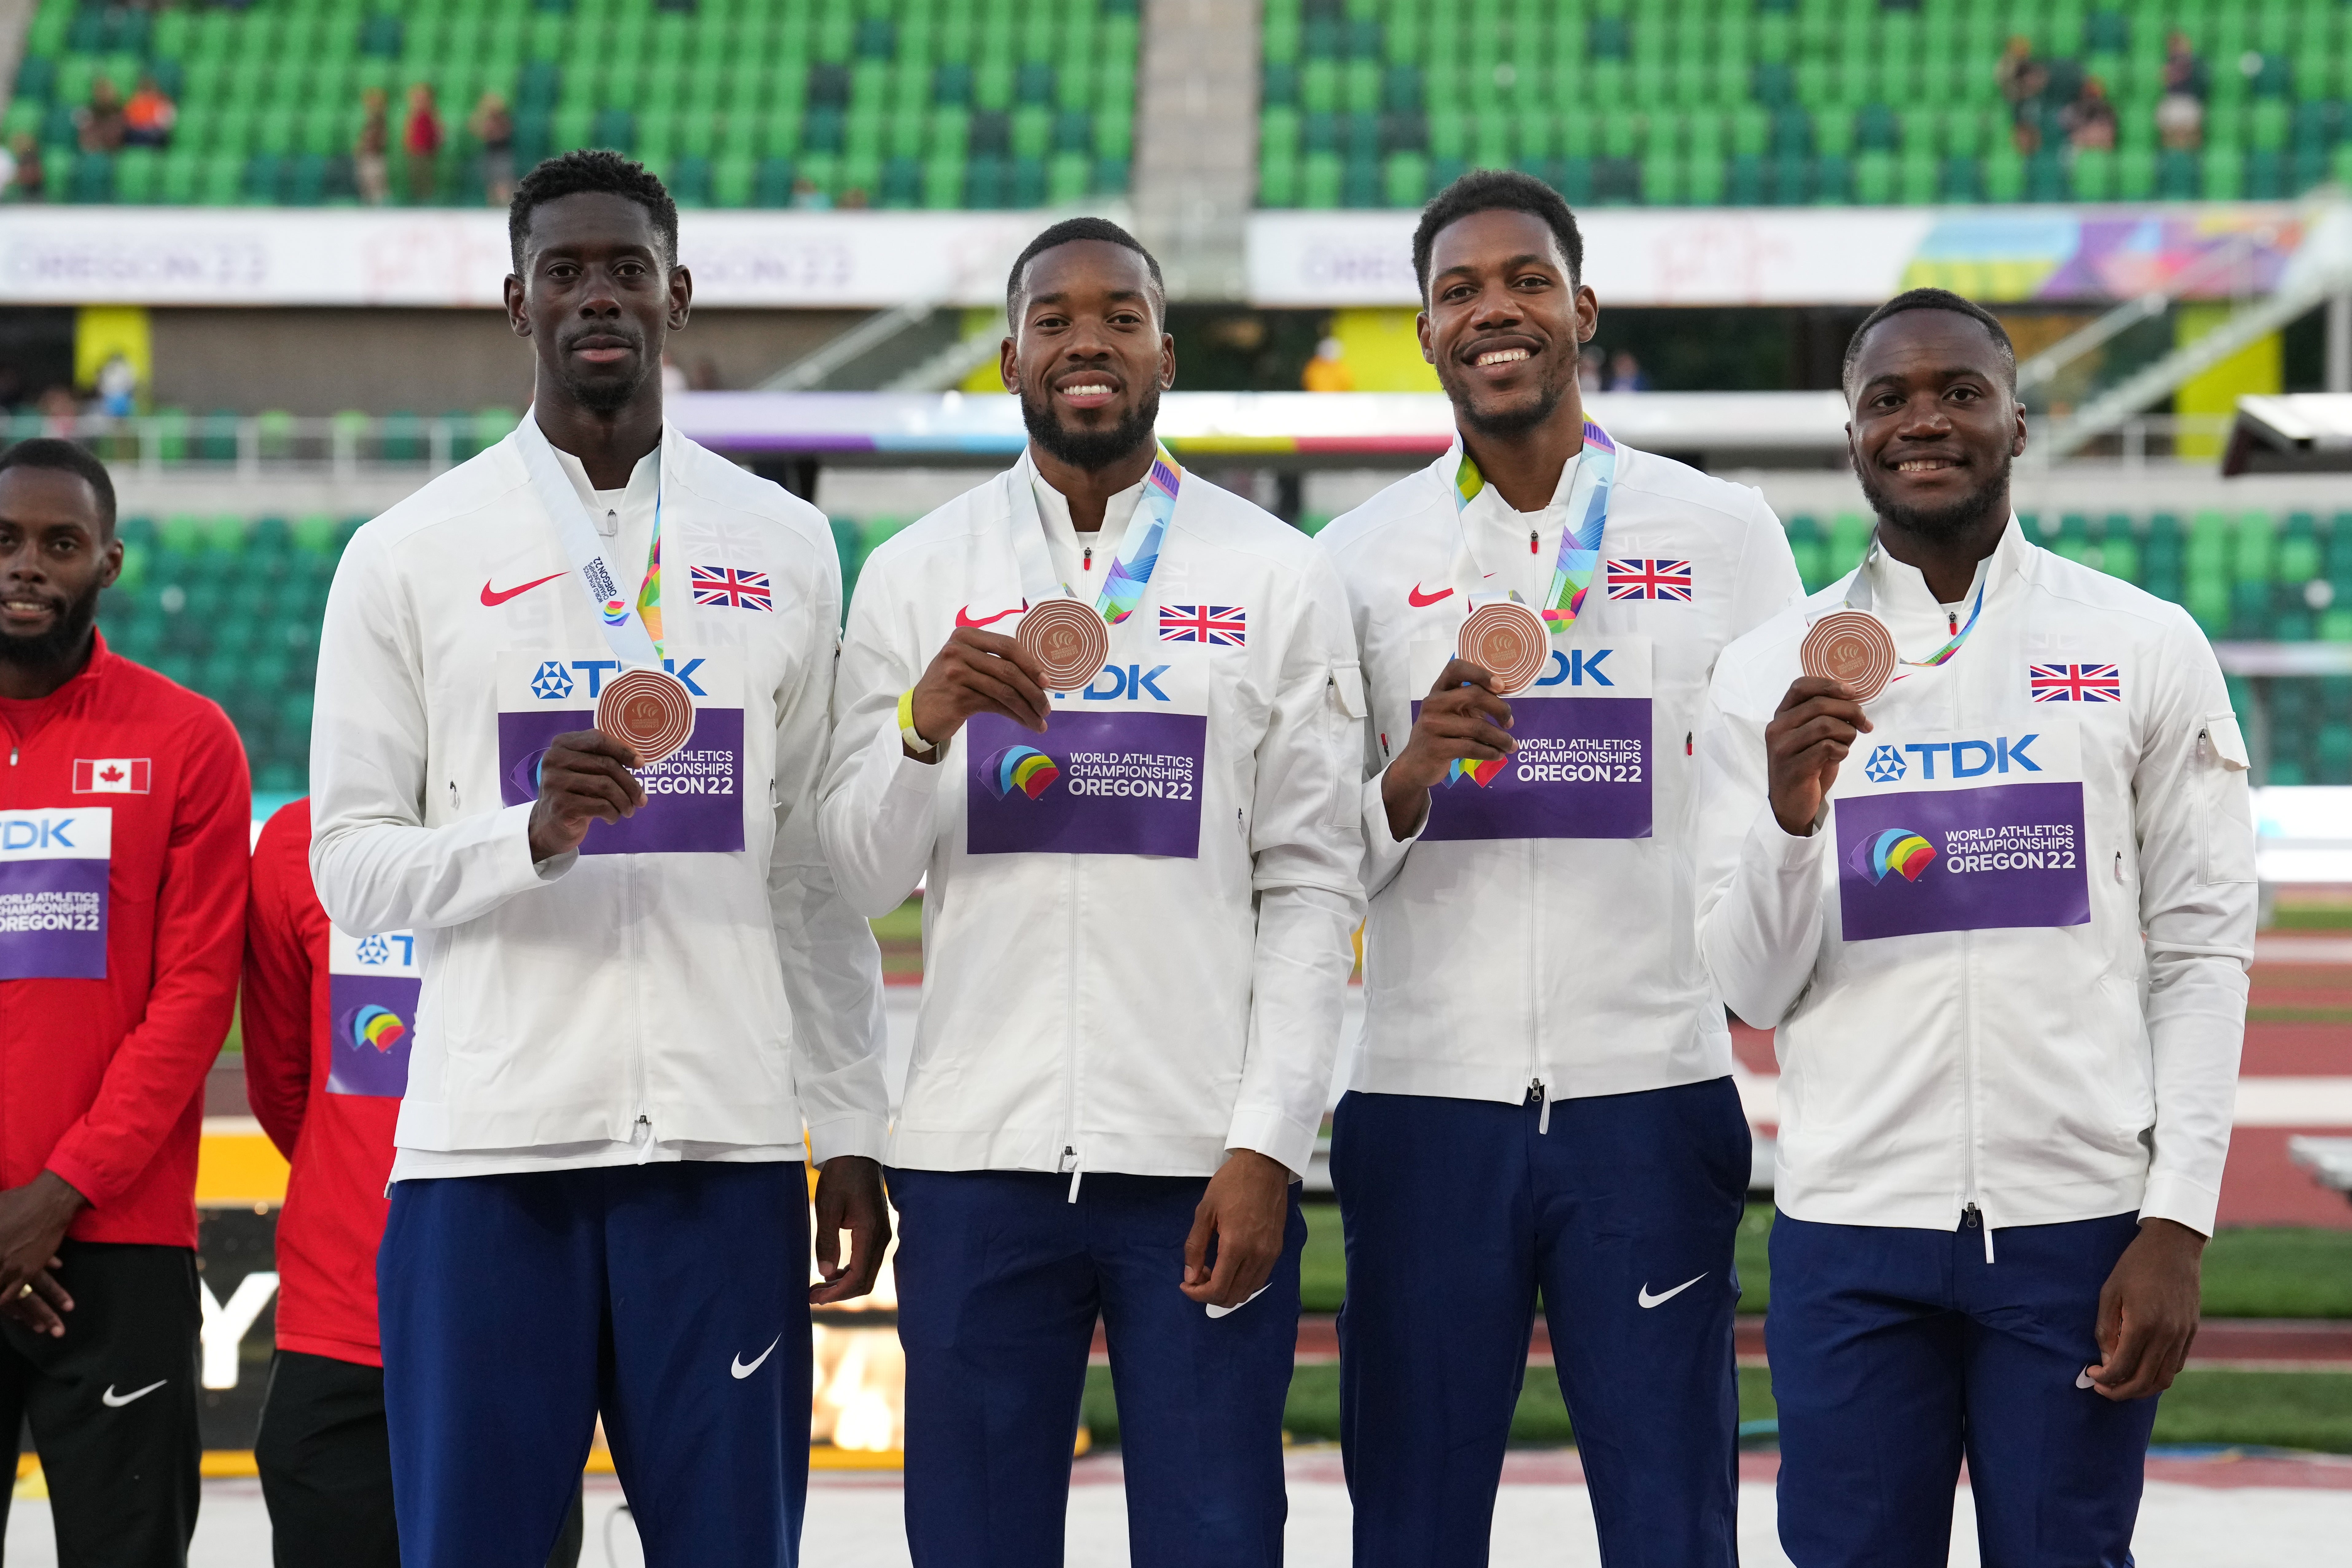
{"type": "Point", "coordinates": [328, 1020]}
{"type": "Point", "coordinates": [124, 807]}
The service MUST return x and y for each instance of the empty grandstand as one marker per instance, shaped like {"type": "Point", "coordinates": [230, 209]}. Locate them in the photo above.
{"type": "Point", "coordinates": [1754, 102]}
{"type": "Point", "coordinates": [921, 103]}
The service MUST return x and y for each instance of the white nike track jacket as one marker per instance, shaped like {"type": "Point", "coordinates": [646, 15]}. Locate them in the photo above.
{"type": "Point", "coordinates": [2008, 966]}
{"type": "Point", "coordinates": [1135, 925]}
{"type": "Point", "coordinates": [690, 978]}
{"type": "Point", "coordinates": [1534, 938]}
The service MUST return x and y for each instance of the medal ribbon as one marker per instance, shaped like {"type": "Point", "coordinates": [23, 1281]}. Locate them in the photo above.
{"type": "Point", "coordinates": [1130, 573]}
{"type": "Point", "coordinates": [634, 635]}
{"type": "Point", "coordinates": [1579, 539]}
{"type": "Point", "coordinates": [1943, 655]}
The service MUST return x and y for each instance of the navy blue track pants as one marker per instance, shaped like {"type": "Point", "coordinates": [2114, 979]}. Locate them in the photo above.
{"type": "Point", "coordinates": [1624, 1213]}
{"type": "Point", "coordinates": [1000, 1281]}
{"type": "Point", "coordinates": [673, 1298]}
{"type": "Point", "coordinates": [1896, 1352]}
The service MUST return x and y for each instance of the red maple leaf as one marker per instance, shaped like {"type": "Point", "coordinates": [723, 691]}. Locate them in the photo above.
{"type": "Point", "coordinates": [112, 775]}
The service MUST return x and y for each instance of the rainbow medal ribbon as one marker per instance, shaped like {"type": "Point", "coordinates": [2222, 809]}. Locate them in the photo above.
{"type": "Point", "coordinates": [634, 632]}
{"type": "Point", "coordinates": [1858, 596]}
{"type": "Point", "coordinates": [1579, 539]}
{"type": "Point", "coordinates": [1138, 553]}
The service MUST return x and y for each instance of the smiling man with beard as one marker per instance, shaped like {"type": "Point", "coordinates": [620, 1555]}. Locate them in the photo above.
{"type": "Point", "coordinates": [2000, 913]}
{"type": "Point", "coordinates": [1141, 877]}
{"type": "Point", "coordinates": [639, 989]}
{"type": "Point", "coordinates": [1537, 1029]}
{"type": "Point", "coordinates": [124, 810]}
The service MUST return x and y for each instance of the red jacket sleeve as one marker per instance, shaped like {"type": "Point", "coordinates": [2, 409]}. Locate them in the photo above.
{"type": "Point", "coordinates": [280, 975]}
{"type": "Point", "coordinates": [160, 1066]}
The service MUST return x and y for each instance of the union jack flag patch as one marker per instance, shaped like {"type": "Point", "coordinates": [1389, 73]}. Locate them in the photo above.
{"type": "Point", "coordinates": [2075, 682]}
{"type": "Point", "coordinates": [1219, 625]}
{"type": "Point", "coordinates": [726, 586]}
{"type": "Point", "coordinates": [1638, 579]}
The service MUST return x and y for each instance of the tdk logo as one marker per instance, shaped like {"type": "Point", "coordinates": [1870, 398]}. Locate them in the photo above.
{"type": "Point", "coordinates": [553, 681]}
{"type": "Point", "coordinates": [1577, 665]}
{"type": "Point", "coordinates": [1132, 681]}
{"type": "Point", "coordinates": [36, 833]}
{"type": "Point", "coordinates": [375, 949]}
{"type": "Point", "coordinates": [1960, 759]}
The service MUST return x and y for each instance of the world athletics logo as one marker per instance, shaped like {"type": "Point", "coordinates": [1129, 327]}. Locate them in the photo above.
{"type": "Point", "coordinates": [1896, 849]}
{"type": "Point", "coordinates": [1479, 773]}
{"type": "Point", "coordinates": [377, 1029]}
{"type": "Point", "coordinates": [1022, 768]}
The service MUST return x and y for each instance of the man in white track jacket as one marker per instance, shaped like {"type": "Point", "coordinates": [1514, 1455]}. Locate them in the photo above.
{"type": "Point", "coordinates": [639, 985]}
{"type": "Point", "coordinates": [1539, 1033]}
{"type": "Point", "coordinates": [1135, 930]}
{"type": "Point", "coordinates": [2000, 913]}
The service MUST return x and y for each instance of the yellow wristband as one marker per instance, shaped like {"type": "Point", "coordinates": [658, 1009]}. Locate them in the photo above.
{"type": "Point", "coordinates": [907, 733]}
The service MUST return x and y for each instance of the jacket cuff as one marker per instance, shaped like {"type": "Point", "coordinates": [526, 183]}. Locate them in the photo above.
{"type": "Point", "coordinates": [856, 1133]}
{"type": "Point", "coordinates": [1783, 851]}
{"type": "Point", "coordinates": [80, 1175]}
{"type": "Point", "coordinates": [2173, 1196]}
{"type": "Point", "coordinates": [1377, 832]}
{"type": "Point", "coordinates": [1276, 1136]}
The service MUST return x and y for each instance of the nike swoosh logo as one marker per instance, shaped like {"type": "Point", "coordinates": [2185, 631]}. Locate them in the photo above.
{"type": "Point", "coordinates": [1420, 600]}
{"type": "Point", "coordinates": [963, 618]}
{"type": "Point", "coordinates": [1647, 1300]}
{"type": "Point", "coordinates": [493, 597]}
{"type": "Point", "coordinates": [114, 1401]}
{"type": "Point", "coordinates": [741, 1371]}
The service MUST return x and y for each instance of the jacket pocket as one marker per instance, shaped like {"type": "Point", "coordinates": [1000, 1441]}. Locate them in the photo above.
{"type": "Point", "coordinates": [2225, 824]}
{"type": "Point", "coordinates": [1347, 708]}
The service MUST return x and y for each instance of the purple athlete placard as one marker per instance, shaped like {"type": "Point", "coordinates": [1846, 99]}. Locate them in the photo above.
{"type": "Point", "coordinates": [694, 796]}
{"type": "Point", "coordinates": [53, 892]}
{"type": "Point", "coordinates": [372, 983]}
{"type": "Point", "coordinates": [1962, 833]}
{"type": "Point", "coordinates": [1583, 768]}
{"type": "Point", "coordinates": [1121, 782]}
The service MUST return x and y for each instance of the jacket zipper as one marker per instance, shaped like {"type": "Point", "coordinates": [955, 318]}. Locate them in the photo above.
{"type": "Point", "coordinates": [1087, 562]}
{"type": "Point", "coordinates": [1072, 1162]}
{"type": "Point", "coordinates": [1531, 542]}
{"type": "Point", "coordinates": [1970, 1214]}
{"type": "Point", "coordinates": [1536, 1095]}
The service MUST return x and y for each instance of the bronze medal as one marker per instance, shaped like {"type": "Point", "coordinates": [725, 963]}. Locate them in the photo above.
{"type": "Point", "coordinates": [1509, 641]}
{"type": "Point", "coordinates": [1853, 649]}
{"type": "Point", "coordinates": [647, 711]}
{"type": "Point", "coordinates": [1068, 640]}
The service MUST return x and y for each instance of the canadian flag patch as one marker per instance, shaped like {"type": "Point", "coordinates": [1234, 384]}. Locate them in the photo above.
{"type": "Point", "coordinates": [110, 775]}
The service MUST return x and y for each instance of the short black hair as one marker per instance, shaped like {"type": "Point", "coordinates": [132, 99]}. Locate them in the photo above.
{"type": "Point", "coordinates": [1495, 190]}
{"type": "Point", "coordinates": [591, 169]}
{"type": "Point", "coordinates": [1077, 228]}
{"type": "Point", "coordinates": [1931, 300]}
{"type": "Point", "coordinates": [66, 458]}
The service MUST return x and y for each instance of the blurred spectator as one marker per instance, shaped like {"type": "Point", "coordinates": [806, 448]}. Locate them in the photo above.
{"type": "Point", "coordinates": [60, 413]}
{"type": "Point", "coordinates": [1625, 374]}
{"type": "Point", "coordinates": [2021, 77]}
{"type": "Point", "coordinates": [99, 122]}
{"type": "Point", "coordinates": [853, 198]}
{"type": "Point", "coordinates": [2091, 118]}
{"type": "Point", "coordinates": [2181, 112]}
{"type": "Point", "coordinates": [118, 387]}
{"type": "Point", "coordinates": [1328, 370]}
{"type": "Point", "coordinates": [806, 196]}
{"type": "Point", "coordinates": [28, 181]}
{"type": "Point", "coordinates": [705, 377]}
{"type": "Point", "coordinates": [147, 119]}
{"type": "Point", "coordinates": [371, 168]}
{"type": "Point", "coordinates": [673, 375]}
{"type": "Point", "coordinates": [1589, 376]}
{"type": "Point", "coordinates": [421, 138]}
{"type": "Point", "coordinates": [493, 127]}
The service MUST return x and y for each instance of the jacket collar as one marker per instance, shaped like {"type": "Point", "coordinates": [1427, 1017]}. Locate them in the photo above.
{"type": "Point", "coordinates": [1899, 596]}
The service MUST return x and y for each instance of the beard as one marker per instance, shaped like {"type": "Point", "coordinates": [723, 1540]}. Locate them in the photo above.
{"type": "Point", "coordinates": [601, 395]}
{"type": "Point", "coordinates": [1503, 424]}
{"type": "Point", "coordinates": [1948, 521]}
{"type": "Point", "coordinates": [1091, 450]}
{"type": "Point", "coordinates": [67, 638]}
